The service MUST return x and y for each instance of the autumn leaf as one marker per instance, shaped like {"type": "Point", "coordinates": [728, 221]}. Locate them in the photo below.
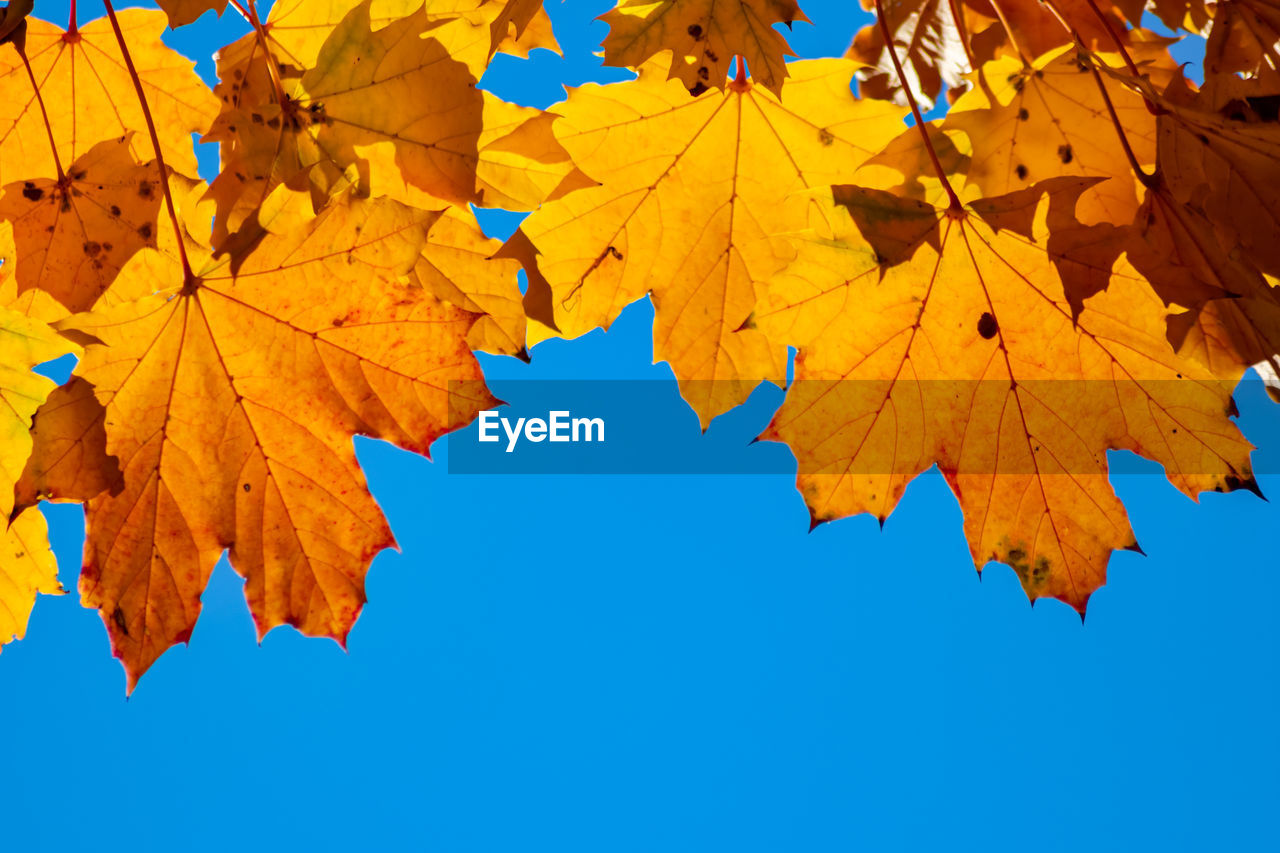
{"type": "Point", "coordinates": [84, 75]}
{"type": "Point", "coordinates": [690, 222]}
{"type": "Point", "coordinates": [471, 30]}
{"type": "Point", "coordinates": [1201, 236]}
{"type": "Point", "coordinates": [1244, 39]}
{"type": "Point", "coordinates": [931, 48]}
{"type": "Point", "coordinates": [26, 566]}
{"type": "Point", "coordinates": [703, 36]}
{"type": "Point", "coordinates": [69, 460]}
{"type": "Point", "coordinates": [518, 27]}
{"type": "Point", "coordinates": [938, 50]}
{"type": "Point", "coordinates": [183, 12]}
{"type": "Point", "coordinates": [73, 235]}
{"type": "Point", "coordinates": [230, 403]}
{"type": "Point", "coordinates": [936, 336]}
{"type": "Point", "coordinates": [388, 111]}
{"type": "Point", "coordinates": [1024, 124]}
{"type": "Point", "coordinates": [458, 265]}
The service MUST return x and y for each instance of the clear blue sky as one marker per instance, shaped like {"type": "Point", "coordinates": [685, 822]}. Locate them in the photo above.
{"type": "Point", "coordinates": [674, 663]}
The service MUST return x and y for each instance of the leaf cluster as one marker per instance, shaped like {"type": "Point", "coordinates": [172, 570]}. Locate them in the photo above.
{"type": "Point", "coordinates": [1081, 256]}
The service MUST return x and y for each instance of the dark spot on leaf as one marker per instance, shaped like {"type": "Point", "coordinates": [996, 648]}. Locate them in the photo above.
{"type": "Point", "coordinates": [92, 248]}
{"type": "Point", "coordinates": [711, 54]}
{"type": "Point", "coordinates": [698, 88]}
{"type": "Point", "coordinates": [247, 487]}
{"type": "Point", "coordinates": [32, 192]}
{"type": "Point", "coordinates": [704, 73]}
{"type": "Point", "coordinates": [825, 137]}
{"type": "Point", "coordinates": [117, 616]}
{"type": "Point", "coordinates": [987, 325]}
{"type": "Point", "coordinates": [696, 31]}
{"type": "Point", "coordinates": [145, 231]}
{"type": "Point", "coordinates": [1021, 172]}
{"type": "Point", "coordinates": [145, 189]}
{"type": "Point", "coordinates": [115, 210]}
{"type": "Point", "coordinates": [1023, 115]}
{"type": "Point", "coordinates": [617, 256]}
{"type": "Point", "coordinates": [1064, 153]}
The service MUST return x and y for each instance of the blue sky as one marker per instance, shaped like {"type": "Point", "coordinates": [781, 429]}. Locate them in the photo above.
{"type": "Point", "coordinates": [642, 663]}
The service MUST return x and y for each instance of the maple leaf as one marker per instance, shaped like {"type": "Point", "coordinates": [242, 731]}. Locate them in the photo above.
{"type": "Point", "coordinates": [471, 30]}
{"type": "Point", "coordinates": [183, 12]}
{"type": "Point", "coordinates": [458, 266]}
{"type": "Point", "coordinates": [519, 26]}
{"type": "Point", "coordinates": [1024, 124]}
{"type": "Point", "coordinates": [231, 399]}
{"type": "Point", "coordinates": [348, 122]}
{"type": "Point", "coordinates": [945, 336]}
{"type": "Point", "coordinates": [1175, 14]}
{"type": "Point", "coordinates": [1244, 39]}
{"type": "Point", "coordinates": [73, 235]}
{"type": "Point", "coordinates": [84, 74]}
{"type": "Point", "coordinates": [26, 566]}
{"type": "Point", "coordinates": [938, 49]}
{"type": "Point", "coordinates": [703, 36]}
{"type": "Point", "coordinates": [689, 222]}
{"type": "Point", "coordinates": [1204, 236]}
{"type": "Point", "coordinates": [930, 44]}
{"type": "Point", "coordinates": [69, 459]}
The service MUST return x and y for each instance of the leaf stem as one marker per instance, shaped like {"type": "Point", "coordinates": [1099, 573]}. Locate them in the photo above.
{"type": "Point", "coordinates": [955, 206]}
{"type": "Point", "coordinates": [250, 15]}
{"type": "Point", "coordinates": [44, 114]}
{"type": "Point", "coordinates": [741, 77]}
{"type": "Point", "coordinates": [73, 26]}
{"type": "Point", "coordinates": [189, 277]}
{"type": "Point", "coordinates": [1150, 181]}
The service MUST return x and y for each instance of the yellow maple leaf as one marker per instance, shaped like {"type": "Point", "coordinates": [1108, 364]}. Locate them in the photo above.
{"type": "Point", "coordinates": [388, 110]}
{"type": "Point", "coordinates": [1024, 124]}
{"type": "Point", "coordinates": [231, 398]}
{"type": "Point", "coordinates": [941, 336]}
{"type": "Point", "coordinates": [72, 236]}
{"type": "Point", "coordinates": [690, 221]}
{"type": "Point", "coordinates": [26, 566]}
{"type": "Point", "coordinates": [703, 36]}
{"type": "Point", "coordinates": [183, 12]}
{"type": "Point", "coordinates": [84, 75]}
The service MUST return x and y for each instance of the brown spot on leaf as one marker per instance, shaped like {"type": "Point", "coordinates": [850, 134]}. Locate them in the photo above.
{"type": "Point", "coordinates": [987, 325]}
{"type": "Point", "coordinates": [1021, 172]}
{"type": "Point", "coordinates": [92, 248]}
{"type": "Point", "coordinates": [1065, 154]}
{"type": "Point", "coordinates": [145, 190]}
{"type": "Point", "coordinates": [696, 31]}
{"type": "Point", "coordinates": [31, 192]}
{"type": "Point", "coordinates": [115, 210]}
{"type": "Point", "coordinates": [145, 231]}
